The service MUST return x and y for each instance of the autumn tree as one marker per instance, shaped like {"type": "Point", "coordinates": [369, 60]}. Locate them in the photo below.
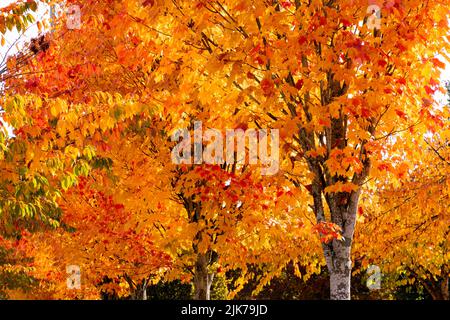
{"type": "Point", "coordinates": [28, 186]}
{"type": "Point", "coordinates": [101, 238]}
{"type": "Point", "coordinates": [210, 218]}
{"type": "Point", "coordinates": [339, 90]}
{"type": "Point", "coordinates": [404, 223]}
{"type": "Point", "coordinates": [37, 162]}
{"type": "Point", "coordinates": [205, 216]}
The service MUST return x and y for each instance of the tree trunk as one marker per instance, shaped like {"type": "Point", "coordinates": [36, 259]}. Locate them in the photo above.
{"type": "Point", "coordinates": [139, 290]}
{"type": "Point", "coordinates": [340, 273]}
{"type": "Point", "coordinates": [438, 289]}
{"type": "Point", "coordinates": [202, 278]}
{"type": "Point", "coordinates": [144, 289]}
{"type": "Point", "coordinates": [338, 252]}
{"type": "Point", "coordinates": [445, 288]}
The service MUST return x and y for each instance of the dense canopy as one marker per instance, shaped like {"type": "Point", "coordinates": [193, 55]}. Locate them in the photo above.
{"type": "Point", "coordinates": [356, 171]}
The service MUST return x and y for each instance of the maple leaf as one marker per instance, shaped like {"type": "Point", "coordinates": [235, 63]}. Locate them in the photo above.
{"type": "Point", "coordinates": [401, 114]}
{"type": "Point", "coordinates": [267, 86]}
{"type": "Point", "coordinates": [438, 63]}
{"type": "Point", "coordinates": [147, 3]}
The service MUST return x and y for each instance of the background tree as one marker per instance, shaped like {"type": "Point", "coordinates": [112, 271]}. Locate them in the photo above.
{"type": "Point", "coordinates": [32, 175]}
{"type": "Point", "coordinates": [404, 224]}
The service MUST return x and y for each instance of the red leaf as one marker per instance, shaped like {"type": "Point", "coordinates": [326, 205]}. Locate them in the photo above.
{"type": "Point", "coordinates": [383, 167]}
{"type": "Point", "coordinates": [401, 47]}
{"type": "Point", "coordinates": [356, 101]}
{"type": "Point", "coordinates": [365, 113]}
{"type": "Point", "coordinates": [302, 40]}
{"type": "Point", "coordinates": [360, 211]}
{"type": "Point", "coordinates": [428, 90]}
{"type": "Point", "coordinates": [242, 125]}
{"type": "Point", "coordinates": [299, 84]}
{"type": "Point", "coordinates": [427, 102]}
{"type": "Point", "coordinates": [286, 4]}
{"type": "Point", "coordinates": [345, 23]}
{"type": "Point", "coordinates": [401, 114]}
{"type": "Point", "coordinates": [267, 87]}
{"type": "Point", "coordinates": [255, 50]}
{"type": "Point", "coordinates": [382, 63]}
{"type": "Point", "coordinates": [148, 3]}
{"type": "Point", "coordinates": [438, 63]}
{"type": "Point", "coordinates": [259, 60]}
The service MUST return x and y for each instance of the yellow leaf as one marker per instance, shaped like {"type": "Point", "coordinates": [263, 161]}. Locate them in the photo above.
{"type": "Point", "coordinates": [53, 111]}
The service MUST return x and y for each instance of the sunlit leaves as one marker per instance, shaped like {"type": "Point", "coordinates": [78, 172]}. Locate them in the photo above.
{"type": "Point", "coordinates": [351, 105]}
{"type": "Point", "coordinates": [17, 15]}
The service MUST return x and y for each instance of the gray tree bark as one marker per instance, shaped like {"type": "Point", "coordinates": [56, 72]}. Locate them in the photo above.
{"type": "Point", "coordinates": [339, 262]}
{"type": "Point", "coordinates": [138, 291]}
{"type": "Point", "coordinates": [202, 278]}
{"type": "Point", "coordinates": [337, 254]}
{"type": "Point", "coordinates": [340, 275]}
